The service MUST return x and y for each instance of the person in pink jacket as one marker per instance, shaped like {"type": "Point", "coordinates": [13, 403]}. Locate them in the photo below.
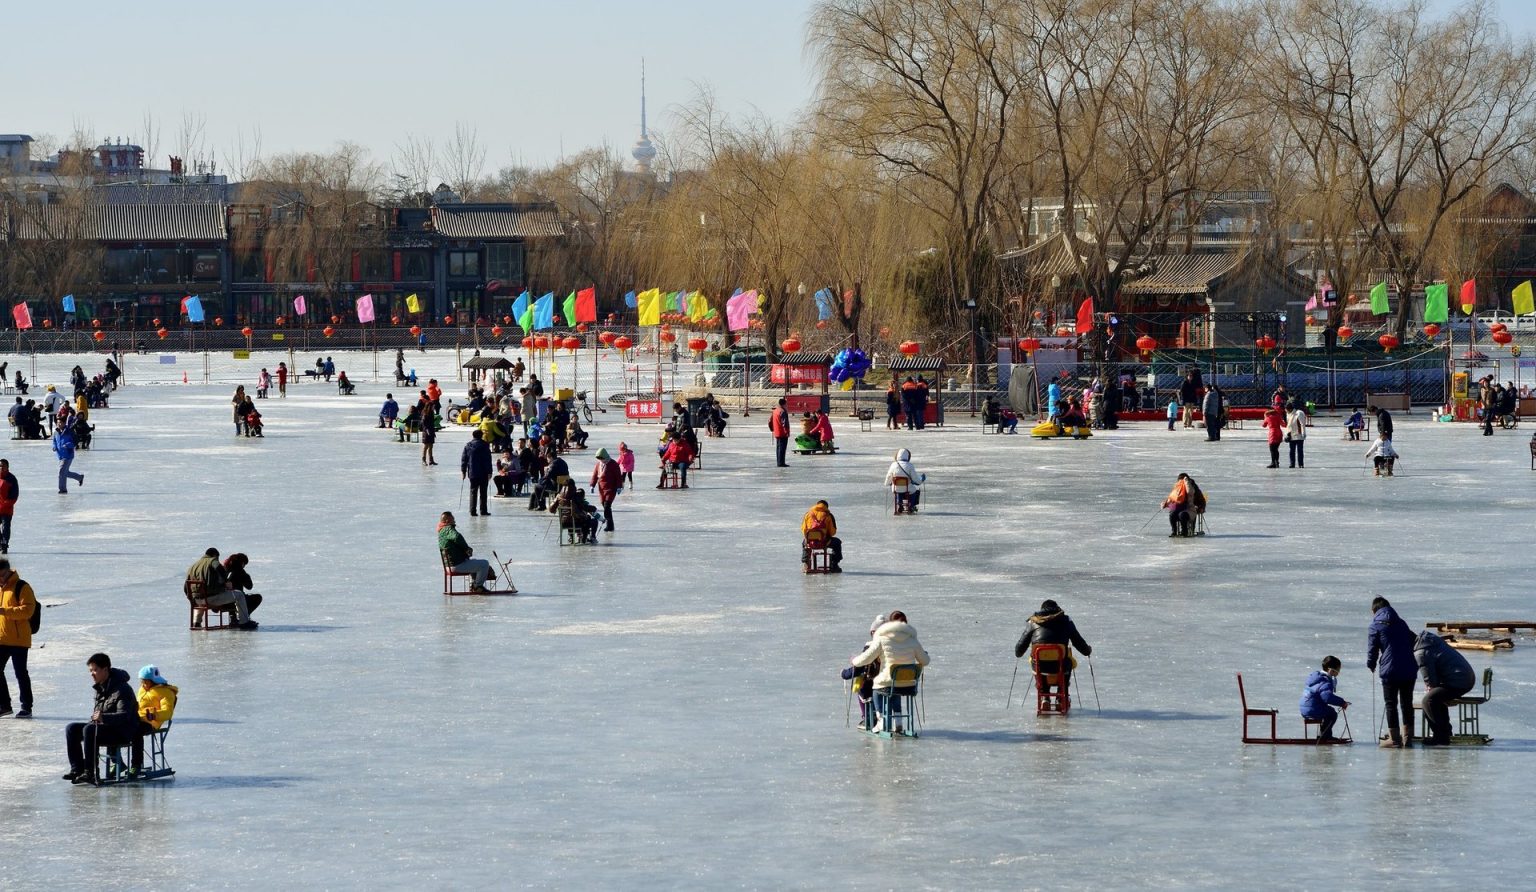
{"type": "Point", "coordinates": [627, 463]}
{"type": "Point", "coordinates": [1274, 423]}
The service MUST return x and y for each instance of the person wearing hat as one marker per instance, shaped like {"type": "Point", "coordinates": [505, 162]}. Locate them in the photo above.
{"type": "Point", "coordinates": [862, 680]}
{"type": "Point", "coordinates": [1049, 625]}
{"type": "Point", "coordinates": [608, 480]}
{"type": "Point", "coordinates": [893, 643]}
{"type": "Point", "coordinates": [157, 705]}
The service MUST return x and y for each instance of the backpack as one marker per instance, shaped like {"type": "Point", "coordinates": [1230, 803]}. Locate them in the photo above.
{"type": "Point", "coordinates": [37, 608]}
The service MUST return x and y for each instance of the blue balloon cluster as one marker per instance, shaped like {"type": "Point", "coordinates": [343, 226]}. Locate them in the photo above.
{"type": "Point", "coordinates": [848, 364]}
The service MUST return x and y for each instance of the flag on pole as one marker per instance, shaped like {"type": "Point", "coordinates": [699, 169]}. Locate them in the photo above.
{"type": "Point", "coordinates": [194, 308]}
{"type": "Point", "coordinates": [650, 306]}
{"type": "Point", "coordinates": [630, 300]}
{"type": "Point", "coordinates": [544, 312]}
{"type": "Point", "coordinates": [22, 316]}
{"type": "Point", "coordinates": [365, 308]}
{"type": "Point", "coordinates": [299, 307]}
{"type": "Point", "coordinates": [823, 298]}
{"type": "Point", "coordinates": [1379, 304]}
{"type": "Point", "coordinates": [1085, 316]}
{"type": "Point", "coordinates": [739, 309]}
{"type": "Point", "coordinates": [68, 302]}
{"type": "Point", "coordinates": [586, 305]}
{"type": "Point", "coordinates": [1437, 302]}
{"type": "Point", "coordinates": [698, 307]}
{"type": "Point", "coordinates": [680, 302]}
{"type": "Point", "coordinates": [568, 309]}
{"type": "Point", "coordinates": [412, 303]}
{"type": "Point", "coordinates": [1468, 296]}
{"type": "Point", "coordinates": [1521, 298]}
{"type": "Point", "coordinates": [520, 313]}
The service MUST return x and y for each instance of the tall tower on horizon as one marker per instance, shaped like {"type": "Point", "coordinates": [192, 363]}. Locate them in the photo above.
{"type": "Point", "coordinates": [643, 152]}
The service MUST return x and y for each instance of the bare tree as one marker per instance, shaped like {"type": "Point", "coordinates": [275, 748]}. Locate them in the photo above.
{"type": "Point", "coordinates": [463, 159]}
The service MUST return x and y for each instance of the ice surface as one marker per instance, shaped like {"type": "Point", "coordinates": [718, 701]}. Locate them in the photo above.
{"type": "Point", "coordinates": [664, 710]}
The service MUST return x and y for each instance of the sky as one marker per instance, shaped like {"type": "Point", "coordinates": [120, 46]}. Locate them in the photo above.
{"type": "Point", "coordinates": [537, 80]}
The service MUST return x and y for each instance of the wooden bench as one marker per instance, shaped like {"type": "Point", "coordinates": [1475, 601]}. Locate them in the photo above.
{"type": "Point", "coordinates": [197, 608]}
{"type": "Point", "coordinates": [1394, 402]}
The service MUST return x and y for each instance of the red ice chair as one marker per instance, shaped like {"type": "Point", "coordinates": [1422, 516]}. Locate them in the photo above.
{"type": "Point", "coordinates": [818, 554]}
{"type": "Point", "coordinates": [1247, 713]}
{"type": "Point", "coordinates": [450, 574]}
{"type": "Point", "coordinates": [1049, 662]}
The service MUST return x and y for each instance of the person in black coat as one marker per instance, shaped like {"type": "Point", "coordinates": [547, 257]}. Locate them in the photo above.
{"type": "Point", "coordinates": [1049, 625]}
{"type": "Point", "coordinates": [1383, 420]}
{"type": "Point", "coordinates": [475, 465]}
{"type": "Point", "coordinates": [115, 722]}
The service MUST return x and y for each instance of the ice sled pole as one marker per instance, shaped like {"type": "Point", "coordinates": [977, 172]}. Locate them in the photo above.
{"type": "Point", "coordinates": [1093, 678]}
{"type": "Point", "coordinates": [1011, 683]}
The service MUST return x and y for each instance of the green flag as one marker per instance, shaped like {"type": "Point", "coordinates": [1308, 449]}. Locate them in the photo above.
{"type": "Point", "coordinates": [1437, 302]}
{"type": "Point", "coordinates": [525, 321]}
{"type": "Point", "coordinates": [1379, 305]}
{"type": "Point", "coordinates": [569, 309]}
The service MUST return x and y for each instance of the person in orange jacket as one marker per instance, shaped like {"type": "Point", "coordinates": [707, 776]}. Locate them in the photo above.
{"type": "Point", "coordinates": [819, 520]}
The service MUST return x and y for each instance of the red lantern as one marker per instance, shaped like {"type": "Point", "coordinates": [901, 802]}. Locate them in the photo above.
{"type": "Point", "coordinates": [495, 331]}
{"type": "Point", "coordinates": [447, 320]}
{"type": "Point", "coordinates": [1498, 326]}
{"type": "Point", "coordinates": [162, 333]}
{"type": "Point", "coordinates": [506, 320]}
{"type": "Point", "coordinates": [100, 335]}
{"type": "Point", "coordinates": [1388, 341]}
{"type": "Point", "coordinates": [1431, 330]}
{"type": "Point", "coordinates": [697, 345]}
{"type": "Point", "coordinates": [95, 323]}
{"type": "Point", "coordinates": [335, 320]}
{"type": "Point", "coordinates": [1502, 337]}
{"type": "Point", "coordinates": [415, 331]}
{"type": "Point", "coordinates": [218, 320]}
{"type": "Point", "coordinates": [394, 320]}
{"type": "Point", "coordinates": [1311, 320]}
{"type": "Point", "coordinates": [1029, 345]}
{"type": "Point", "coordinates": [1265, 343]}
{"type": "Point", "coordinates": [910, 348]}
{"type": "Point", "coordinates": [280, 320]}
{"type": "Point", "coordinates": [606, 338]}
{"type": "Point", "coordinates": [1345, 332]}
{"type": "Point", "coordinates": [622, 343]}
{"type": "Point", "coordinates": [47, 323]}
{"type": "Point", "coordinates": [581, 327]}
{"type": "Point", "coordinates": [1146, 344]}
{"type": "Point", "coordinates": [667, 336]}
{"type": "Point", "coordinates": [528, 342]}
{"type": "Point", "coordinates": [247, 331]}
{"type": "Point", "coordinates": [328, 331]}
{"type": "Point", "coordinates": [156, 323]}
{"type": "Point", "coordinates": [790, 345]}
{"type": "Point", "coordinates": [540, 342]}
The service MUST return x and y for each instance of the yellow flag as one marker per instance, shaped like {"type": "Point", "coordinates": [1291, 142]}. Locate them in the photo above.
{"type": "Point", "coordinates": [649, 303]}
{"type": "Point", "coordinates": [697, 306]}
{"type": "Point", "coordinates": [412, 303]}
{"type": "Point", "coordinates": [1525, 301]}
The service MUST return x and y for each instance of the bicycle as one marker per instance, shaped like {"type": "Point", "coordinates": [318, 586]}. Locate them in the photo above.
{"type": "Point", "coordinates": [586, 410]}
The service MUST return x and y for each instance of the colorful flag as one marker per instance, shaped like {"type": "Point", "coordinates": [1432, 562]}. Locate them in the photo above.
{"type": "Point", "coordinates": [194, 307]}
{"type": "Point", "coordinates": [68, 302]}
{"type": "Point", "coordinates": [412, 303]}
{"type": "Point", "coordinates": [1437, 302]}
{"type": "Point", "coordinates": [586, 305]}
{"type": "Point", "coordinates": [22, 316]}
{"type": "Point", "coordinates": [544, 312]}
{"type": "Point", "coordinates": [299, 307]}
{"type": "Point", "coordinates": [680, 302]}
{"type": "Point", "coordinates": [1525, 301]}
{"type": "Point", "coordinates": [365, 308]}
{"type": "Point", "coordinates": [649, 303]}
{"type": "Point", "coordinates": [1468, 296]}
{"type": "Point", "coordinates": [823, 299]}
{"type": "Point", "coordinates": [568, 309]}
{"type": "Point", "coordinates": [739, 309]}
{"type": "Point", "coordinates": [630, 299]}
{"type": "Point", "coordinates": [698, 306]}
{"type": "Point", "coordinates": [521, 313]}
{"type": "Point", "coordinates": [1085, 316]}
{"type": "Point", "coordinates": [1379, 305]}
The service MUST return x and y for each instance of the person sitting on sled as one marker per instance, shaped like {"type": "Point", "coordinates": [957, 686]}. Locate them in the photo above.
{"type": "Point", "coordinates": [908, 492]}
{"type": "Point", "coordinates": [575, 512]}
{"type": "Point", "coordinates": [1355, 424]}
{"type": "Point", "coordinates": [819, 524]}
{"type": "Point", "coordinates": [1184, 503]}
{"type": "Point", "coordinates": [1382, 453]}
{"type": "Point", "coordinates": [1318, 698]}
{"type": "Point", "coordinates": [862, 680]}
{"type": "Point", "coordinates": [1051, 625]}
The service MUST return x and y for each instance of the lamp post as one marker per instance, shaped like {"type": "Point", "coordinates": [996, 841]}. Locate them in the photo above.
{"type": "Point", "coordinates": [970, 305]}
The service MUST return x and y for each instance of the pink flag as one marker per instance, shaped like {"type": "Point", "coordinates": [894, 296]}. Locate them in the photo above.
{"type": "Point", "coordinates": [298, 305]}
{"type": "Point", "coordinates": [739, 308]}
{"type": "Point", "coordinates": [365, 308]}
{"type": "Point", "coordinates": [22, 315]}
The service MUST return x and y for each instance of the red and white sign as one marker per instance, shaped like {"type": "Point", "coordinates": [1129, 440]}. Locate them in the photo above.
{"type": "Point", "coordinates": [642, 409]}
{"type": "Point", "coordinates": [797, 374]}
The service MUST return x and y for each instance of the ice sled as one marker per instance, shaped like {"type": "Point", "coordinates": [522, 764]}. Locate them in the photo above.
{"type": "Point", "coordinates": [1045, 430]}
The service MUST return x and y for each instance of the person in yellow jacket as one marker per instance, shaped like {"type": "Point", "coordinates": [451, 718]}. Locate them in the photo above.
{"type": "Point", "coordinates": [157, 700]}
{"type": "Point", "coordinates": [819, 524]}
{"type": "Point", "coordinates": [17, 605]}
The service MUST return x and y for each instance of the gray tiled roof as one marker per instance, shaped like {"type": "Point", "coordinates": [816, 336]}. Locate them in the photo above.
{"type": "Point", "coordinates": [125, 222]}
{"type": "Point", "coordinates": [1182, 273]}
{"type": "Point", "coordinates": [471, 223]}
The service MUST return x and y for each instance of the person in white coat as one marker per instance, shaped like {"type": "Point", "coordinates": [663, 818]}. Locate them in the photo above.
{"type": "Point", "coordinates": [894, 644]}
{"type": "Point", "coordinates": [909, 492]}
{"type": "Point", "coordinates": [1296, 436]}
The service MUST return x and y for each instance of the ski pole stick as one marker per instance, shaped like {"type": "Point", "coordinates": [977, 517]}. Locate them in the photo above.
{"type": "Point", "coordinates": [1011, 683]}
{"type": "Point", "coordinates": [848, 710]}
{"type": "Point", "coordinates": [1150, 519]}
{"type": "Point", "coordinates": [1347, 733]}
{"type": "Point", "coordinates": [461, 491]}
{"type": "Point", "coordinates": [1095, 680]}
{"type": "Point", "coordinates": [1373, 705]}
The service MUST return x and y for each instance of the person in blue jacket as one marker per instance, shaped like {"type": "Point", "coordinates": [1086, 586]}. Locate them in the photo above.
{"type": "Point", "coordinates": [389, 412]}
{"type": "Point", "coordinates": [1389, 651]}
{"type": "Point", "coordinates": [1319, 699]}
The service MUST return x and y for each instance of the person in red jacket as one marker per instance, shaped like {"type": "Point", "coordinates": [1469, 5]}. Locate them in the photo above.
{"type": "Point", "coordinates": [10, 491]}
{"type": "Point", "coordinates": [778, 424]}
{"type": "Point", "coordinates": [608, 480]}
{"type": "Point", "coordinates": [679, 455]}
{"type": "Point", "coordinates": [1274, 423]}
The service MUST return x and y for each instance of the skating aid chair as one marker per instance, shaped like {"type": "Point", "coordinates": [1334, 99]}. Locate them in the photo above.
{"type": "Point", "coordinates": [899, 707]}
{"type": "Point", "coordinates": [818, 555]}
{"type": "Point", "coordinates": [1049, 664]}
{"type": "Point", "coordinates": [900, 486]}
{"type": "Point", "coordinates": [450, 574]}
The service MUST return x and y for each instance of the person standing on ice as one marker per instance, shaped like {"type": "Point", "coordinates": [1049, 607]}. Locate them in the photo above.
{"type": "Point", "coordinates": [1210, 411]}
{"type": "Point", "coordinates": [908, 492]}
{"type": "Point", "coordinates": [778, 425]}
{"type": "Point", "coordinates": [1050, 625]}
{"type": "Point", "coordinates": [1296, 436]}
{"type": "Point", "coordinates": [1274, 425]}
{"type": "Point", "coordinates": [607, 480]}
{"type": "Point", "coordinates": [1383, 420]}
{"type": "Point", "coordinates": [10, 493]}
{"type": "Point", "coordinates": [475, 465]}
{"type": "Point", "coordinates": [1318, 698]}
{"type": "Point", "coordinates": [282, 380]}
{"type": "Point", "coordinates": [1389, 651]}
{"type": "Point", "coordinates": [64, 448]}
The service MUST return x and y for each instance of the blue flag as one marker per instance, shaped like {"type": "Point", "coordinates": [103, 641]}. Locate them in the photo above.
{"type": "Point", "coordinates": [69, 303]}
{"type": "Point", "coordinates": [823, 304]}
{"type": "Point", "coordinates": [195, 309]}
{"type": "Point", "coordinates": [544, 312]}
{"type": "Point", "coordinates": [629, 300]}
{"type": "Point", "coordinates": [519, 310]}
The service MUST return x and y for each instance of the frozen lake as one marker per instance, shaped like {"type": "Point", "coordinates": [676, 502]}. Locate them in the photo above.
{"type": "Point", "coordinates": [664, 711]}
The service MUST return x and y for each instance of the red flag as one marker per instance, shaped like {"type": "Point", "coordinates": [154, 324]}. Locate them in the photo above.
{"type": "Point", "coordinates": [1085, 316]}
{"type": "Point", "coordinates": [1468, 295]}
{"type": "Point", "coordinates": [586, 306]}
{"type": "Point", "coordinates": [22, 315]}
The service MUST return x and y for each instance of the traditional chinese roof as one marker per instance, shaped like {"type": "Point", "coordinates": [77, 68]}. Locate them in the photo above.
{"type": "Point", "coordinates": [124, 222]}
{"type": "Point", "coordinates": [484, 222]}
{"type": "Point", "coordinates": [1180, 273]}
{"type": "Point", "coordinates": [917, 364]}
{"type": "Point", "coordinates": [805, 359]}
{"type": "Point", "coordinates": [489, 362]}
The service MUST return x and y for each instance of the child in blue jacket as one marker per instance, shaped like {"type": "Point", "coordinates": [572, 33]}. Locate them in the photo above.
{"type": "Point", "coordinates": [1173, 412]}
{"type": "Point", "coordinates": [1318, 700]}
